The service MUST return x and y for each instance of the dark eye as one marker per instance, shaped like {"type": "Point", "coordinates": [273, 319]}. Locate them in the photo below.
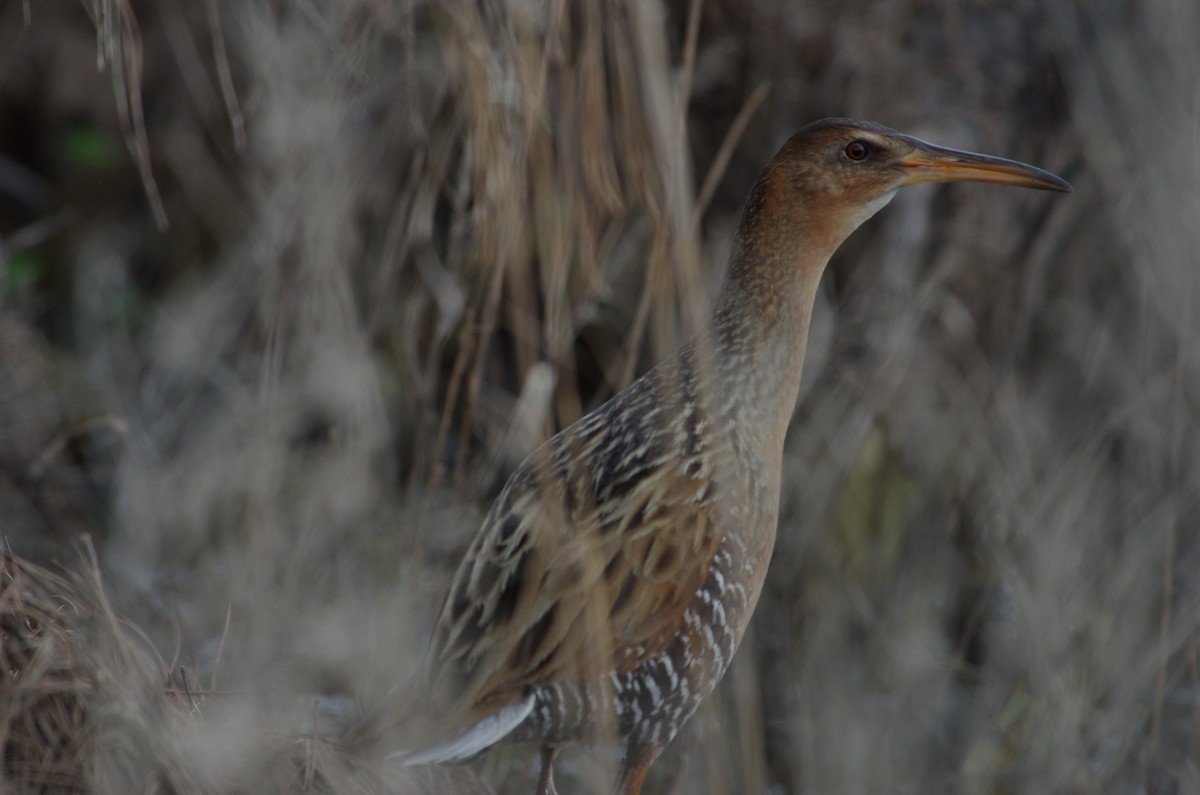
{"type": "Point", "coordinates": [858, 150]}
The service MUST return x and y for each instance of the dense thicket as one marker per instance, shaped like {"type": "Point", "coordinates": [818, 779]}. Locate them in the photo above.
{"type": "Point", "coordinates": [288, 286]}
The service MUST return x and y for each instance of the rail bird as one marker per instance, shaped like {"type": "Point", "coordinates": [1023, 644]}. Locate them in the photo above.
{"type": "Point", "coordinates": [610, 583]}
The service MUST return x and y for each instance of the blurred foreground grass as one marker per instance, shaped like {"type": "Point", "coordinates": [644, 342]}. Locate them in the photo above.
{"type": "Point", "coordinates": [406, 241]}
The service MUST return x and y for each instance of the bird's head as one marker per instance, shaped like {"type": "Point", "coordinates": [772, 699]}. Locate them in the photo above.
{"type": "Point", "coordinates": [837, 173]}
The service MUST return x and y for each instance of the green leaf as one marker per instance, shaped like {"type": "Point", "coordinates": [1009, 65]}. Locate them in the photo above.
{"type": "Point", "coordinates": [22, 271]}
{"type": "Point", "coordinates": [88, 146]}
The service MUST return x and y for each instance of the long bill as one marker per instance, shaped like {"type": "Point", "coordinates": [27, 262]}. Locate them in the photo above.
{"type": "Point", "coordinates": [930, 163]}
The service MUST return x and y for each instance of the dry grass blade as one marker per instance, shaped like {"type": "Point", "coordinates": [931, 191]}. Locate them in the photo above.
{"type": "Point", "coordinates": [713, 177]}
{"type": "Point", "coordinates": [237, 122]}
{"type": "Point", "coordinates": [121, 42]}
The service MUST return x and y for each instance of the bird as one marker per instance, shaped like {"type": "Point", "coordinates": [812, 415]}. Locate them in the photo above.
{"type": "Point", "coordinates": [611, 582]}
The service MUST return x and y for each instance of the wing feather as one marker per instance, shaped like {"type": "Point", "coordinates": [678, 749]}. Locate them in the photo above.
{"type": "Point", "coordinates": [585, 564]}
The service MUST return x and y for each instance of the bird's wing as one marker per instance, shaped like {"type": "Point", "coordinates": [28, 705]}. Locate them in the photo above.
{"type": "Point", "coordinates": [585, 564]}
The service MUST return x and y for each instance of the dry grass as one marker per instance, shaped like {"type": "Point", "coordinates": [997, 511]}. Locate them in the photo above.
{"type": "Point", "coordinates": [408, 240]}
{"type": "Point", "coordinates": [82, 703]}
{"type": "Point", "coordinates": [46, 724]}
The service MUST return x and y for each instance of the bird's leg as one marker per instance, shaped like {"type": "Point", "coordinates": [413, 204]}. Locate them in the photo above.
{"type": "Point", "coordinates": [632, 780]}
{"type": "Point", "coordinates": [545, 784]}
{"type": "Point", "coordinates": [634, 769]}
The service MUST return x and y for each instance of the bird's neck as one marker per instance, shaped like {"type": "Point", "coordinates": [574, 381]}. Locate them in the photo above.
{"type": "Point", "coordinates": [759, 336]}
{"type": "Point", "coordinates": [760, 325]}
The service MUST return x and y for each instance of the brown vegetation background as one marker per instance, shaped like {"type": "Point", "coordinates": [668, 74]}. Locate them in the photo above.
{"type": "Point", "coordinates": [287, 287]}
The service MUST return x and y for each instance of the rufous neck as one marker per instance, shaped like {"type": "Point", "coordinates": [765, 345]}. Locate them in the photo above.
{"type": "Point", "coordinates": [759, 338]}
{"type": "Point", "coordinates": [793, 222]}
{"type": "Point", "coordinates": [760, 324]}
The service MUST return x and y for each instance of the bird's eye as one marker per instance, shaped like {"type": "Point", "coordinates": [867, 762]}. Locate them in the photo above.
{"type": "Point", "coordinates": [858, 150]}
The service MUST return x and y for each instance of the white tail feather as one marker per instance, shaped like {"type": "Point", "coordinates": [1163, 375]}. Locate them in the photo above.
{"type": "Point", "coordinates": [475, 738]}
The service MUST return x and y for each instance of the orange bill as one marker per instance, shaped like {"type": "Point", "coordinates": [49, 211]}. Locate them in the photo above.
{"type": "Point", "coordinates": [930, 163]}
